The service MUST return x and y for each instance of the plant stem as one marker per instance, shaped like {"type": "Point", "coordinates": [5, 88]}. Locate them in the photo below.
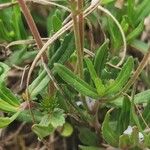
{"type": "Point", "coordinates": [31, 23]}
{"type": "Point", "coordinates": [32, 27]}
{"type": "Point", "coordinates": [36, 36]}
{"type": "Point", "coordinates": [81, 32]}
{"type": "Point", "coordinates": [78, 25]}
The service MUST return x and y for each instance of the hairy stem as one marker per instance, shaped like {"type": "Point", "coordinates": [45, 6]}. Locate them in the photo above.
{"type": "Point", "coordinates": [77, 18]}
{"type": "Point", "coordinates": [78, 25]}
{"type": "Point", "coordinates": [36, 36]}
{"type": "Point", "coordinates": [81, 34]}
{"type": "Point", "coordinates": [31, 23]}
{"type": "Point", "coordinates": [32, 27]}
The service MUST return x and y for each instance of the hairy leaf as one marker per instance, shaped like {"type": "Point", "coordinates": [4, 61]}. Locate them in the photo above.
{"type": "Point", "coordinates": [101, 57]}
{"type": "Point", "coordinates": [89, 148]}
{"type": "Point", "coordinates": [109, 135]}
{"type": "Point", "coordinates": [88, 137]}
{"type": "Point", "coordinates": [143, 97]}
{"type": "Point", "coordinates": [8, 96]}
{"type": "Point", "coordinates": [122, 78]}
{"type": "Point", "coordinates": [4, 106]}
{"type": "Point", "coordinates": [97, 81]}
{"type": "Point", "coordinates": [3, 71]}
{"type": "Point", "coordinates": [124, 121]}
{"type": "Point", "coordinates": [42, 130]}
{"type": "Point", "coordinates": [49, 123]}
{"type": "Point", "coordinates": [5, 121]}
{"type": "Point", "coordinates": [74, 81]}
{"type": "Point", "coordinates": [136, 32]}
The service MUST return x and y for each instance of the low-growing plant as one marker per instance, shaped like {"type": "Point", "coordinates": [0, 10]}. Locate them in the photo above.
{"type": "Point", "coordinates": [83, 78]}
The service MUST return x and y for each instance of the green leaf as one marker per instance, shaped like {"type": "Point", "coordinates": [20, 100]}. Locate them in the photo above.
{"type": "Point", "coordinates": [62, 49]}
{"type": "Point", "coordinates": [61, 56]}
{"type": "Point", "coordinates": [131, 12]}
{"type": "Point", "coordinates": [88, 137]}
{"type": "Point", "coordinates": [54, 22]}
{"type": "Point", "coordinates": [19, 56]}
{"type": "Point", "coordinates": [104, 2]}
{"type": "Point", "coordinates": [57, 118]}
{"type": "Point", "coordinates": [136, 32]}
{"type": "Point", "coordinates": [67, 130]}
{"type": "Point", "coordinates": [124, 24]}
{"type": "Point", "coordinates": [147, 140]}
{"type": "Point", "coordinates": [67, 54]}
{"type": "Point", "coordinates": [124, 141]}
{"type": "Point", "coordinates": [25, 116]}
{"type": "Point", "coordinates": [143, 97]}
{"type": "Point", "coordinates": [134, 119]}
{"type": "Point", "coordinates": [3, 32]}
{"type": "Point", "coordinates": [5, 121]}
{"type": "Point", "coordinates": [142, 10]}
{"type": "Point", "coordinates": [48, 123]}
{"type": "Point", "coordinates": [3, 71]}
{"type": "Point", "coordinates": [115, 35]}
{"type": "Point", "coordinates": [140, 46]}
{"type": "Point", "coordinates": [122, 78]}
{"type": "Point", "coordinates": [109, 135]}
{"type": "Point", "coordinates": [4, 106]}
{"type": "Point", "coordinates": [101, 57]}
{"type": "Point", "coordinates": [17, 23]}
{"type": "Point", "coordinates": [146, 115]}
{"type": "Point", "coordinates": [97, 81]}
{"type": "Point", "coordinates": [49, 25]}
{"type": "Point", "coordinates": [42, 130]}
{"type": "Point", "coordinates": [39, 84]}
{"type": "Point", "coordinates": [134, 138]}
{"type": "Point", "coordinates": [74, 81]}
{"type": "Point", "coordinates": [8, 96]}
{"type": "Point", "coordinates": [124, 121]}
{"type": "Point", "coordinates": [57, 23]}
{"type": "Point", "coordinates": [89, 148]}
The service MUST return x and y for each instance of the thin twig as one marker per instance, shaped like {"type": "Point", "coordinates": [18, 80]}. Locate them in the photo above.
{"type": "Point", "coordinates": [41, 2]}
{"type": "Point", "coordinates": [142, 117]}
{"type": "Point", "coordinates": [89, 52]}
{"type": "Point", "coordinates": [113, 66]}
{"type": "Point", "coordinates": [44, 2]}
{"type": "Point", "coordinates": [23, 74]}
{"type": "Point", "coordinates": [24, 42]}
{"type": "Point", "coordinates": [52, 77]}
{"type": "Point", "coordinates": [138, 71]}
{"type": "Point", "coordinates": [6, 5]}
{"type": "Point", "coordinates": [67, 19]}
{"type": "Point", "coordinates": [13, 135]}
